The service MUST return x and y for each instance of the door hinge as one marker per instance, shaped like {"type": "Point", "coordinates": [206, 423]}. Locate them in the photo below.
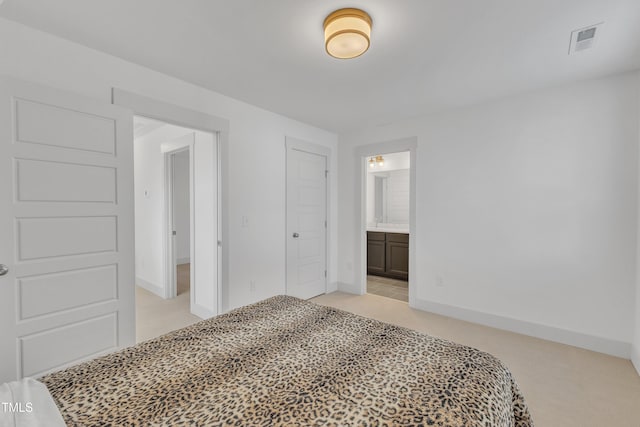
{"type": "Point", "coordinates": [325, 273]}
{"type": "Point", "coordinates": [325, 223]}
{"type": "Point", "coordinates": [326, 173]}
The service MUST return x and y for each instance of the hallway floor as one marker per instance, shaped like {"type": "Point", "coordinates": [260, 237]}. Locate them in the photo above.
{"type": "Point", "coordinates": [156, 316]}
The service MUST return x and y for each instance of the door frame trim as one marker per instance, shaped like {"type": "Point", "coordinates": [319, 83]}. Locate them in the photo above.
{"type": "Point", "coordinates": [362, 154]}
{"type": "Point", "coordinates": [292, 143]}
{"type": "Point", "coordinates": [180, 116]}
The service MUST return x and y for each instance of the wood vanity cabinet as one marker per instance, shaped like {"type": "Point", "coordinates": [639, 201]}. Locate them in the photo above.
{"type": "Point", "coordinates": [376, 253]}
{"type": "Point", "coordinates": [388, 254]}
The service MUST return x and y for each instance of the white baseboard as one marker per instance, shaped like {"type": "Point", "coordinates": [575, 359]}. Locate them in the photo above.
{"type": "Point", "coordinates": [154, 289]}
{"type": "Point", "coordinates": [349, 288]}
{"type": "Point", "coordinates": [202, 312]}
{"type": "Point", "coordinates": [550, 333]}
{"type": "Point", "coordinates": [635, 357]}
{"type": "Point", "coordinates": [186, 260]}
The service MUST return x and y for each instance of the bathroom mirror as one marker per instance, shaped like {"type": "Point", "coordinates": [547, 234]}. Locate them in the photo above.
{"type": "Point", "coordinates": [390, 197]}
{"type": "Point", "coordinates": [380, 195]}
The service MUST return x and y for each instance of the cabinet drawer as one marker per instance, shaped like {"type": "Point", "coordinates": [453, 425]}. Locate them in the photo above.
{"type": "Point", "coordinates": [398, 237]}
{"type": "Point", "coordinates": [375, 235]}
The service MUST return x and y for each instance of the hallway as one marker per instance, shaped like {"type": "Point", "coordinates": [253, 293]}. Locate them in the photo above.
{"type": "Point", "coordinates": [156, 316]}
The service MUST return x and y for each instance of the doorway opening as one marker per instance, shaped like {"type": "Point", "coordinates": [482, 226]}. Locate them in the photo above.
{"type": "Point", "coordinates": [363, 155]}
{"type": "Point", "coordinates": [176, 192]}
{"type": "Point", "coordinates": [387, 224]}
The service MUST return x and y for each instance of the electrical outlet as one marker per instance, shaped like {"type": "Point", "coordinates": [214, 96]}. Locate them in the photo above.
{"type": "Point", "coordinates": [245, 222]}
{"type": "Point", "coordinates": [252, 285]}
{"type": "Point", "coordinates": [439, 282]}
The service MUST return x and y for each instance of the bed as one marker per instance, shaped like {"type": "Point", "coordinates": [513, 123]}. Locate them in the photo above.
{"type": "Point", "coordinates": [285, 361]}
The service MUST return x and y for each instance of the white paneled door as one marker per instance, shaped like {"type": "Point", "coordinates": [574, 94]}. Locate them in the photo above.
{"type": "Point", "coordinates": [66, 229]}
{"type": "Point", "coordinates": [306, 221]}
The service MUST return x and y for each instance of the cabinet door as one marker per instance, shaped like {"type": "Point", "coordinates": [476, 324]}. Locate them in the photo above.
{"type": "Point", "coordinates": [397, 258]}
{"type": "Point", "coordinates": [375, 257]}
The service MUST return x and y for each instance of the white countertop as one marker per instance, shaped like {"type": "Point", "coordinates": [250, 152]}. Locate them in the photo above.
{"type": "Point", "coordinates": [389, 230]}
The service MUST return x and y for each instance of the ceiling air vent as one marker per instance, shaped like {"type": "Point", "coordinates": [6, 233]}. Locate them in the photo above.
{"type": "Point", "coordinates": [584, 38]}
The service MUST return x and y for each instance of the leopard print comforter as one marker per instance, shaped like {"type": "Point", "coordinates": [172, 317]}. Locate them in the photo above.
{"type": "Point", "coordinates": [288, 362]}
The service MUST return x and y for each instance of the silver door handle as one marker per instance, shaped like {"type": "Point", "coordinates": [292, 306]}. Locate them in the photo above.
{"type": "Point", "coordinates": [3, 269]}
{"type": "Point", "coordinates": [296, 235]}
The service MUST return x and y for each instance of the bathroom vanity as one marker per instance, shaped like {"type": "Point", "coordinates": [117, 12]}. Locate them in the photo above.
{"type": "Point", "coordinates": [387, 216]}
{"type": "Point", "coordinates": [388, 254]}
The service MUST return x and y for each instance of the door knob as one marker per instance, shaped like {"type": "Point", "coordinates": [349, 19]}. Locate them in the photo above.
{"type": "Point", "coordinates": [296, 235]}
{"type": "Point", "coordinates": [3, 269]}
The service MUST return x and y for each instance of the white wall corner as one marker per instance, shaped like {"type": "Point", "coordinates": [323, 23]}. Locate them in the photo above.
{"type": "Point", "coordinates": [349, 288]}
{"type": "Point", "coordinates": [153, 288]}
{"type": "Point", "coordinates": [635, 357]}
{"type": "Point", "coordinates": [550, 333]}
{"type": "Point", "coordinates": [332, 287]}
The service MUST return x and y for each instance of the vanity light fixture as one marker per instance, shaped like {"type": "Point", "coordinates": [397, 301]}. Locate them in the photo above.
{"type": "Point", "coordinates": [376, 161]}
{"type": "Point", "coordinates": [347, 33]}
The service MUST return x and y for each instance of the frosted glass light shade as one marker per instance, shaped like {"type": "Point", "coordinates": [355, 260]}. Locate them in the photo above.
{"type": "Point", "coordinates": [347, 33]}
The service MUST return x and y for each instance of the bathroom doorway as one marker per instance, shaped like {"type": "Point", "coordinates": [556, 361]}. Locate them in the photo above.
{"type": "Point", "coordinates": [388, 207]}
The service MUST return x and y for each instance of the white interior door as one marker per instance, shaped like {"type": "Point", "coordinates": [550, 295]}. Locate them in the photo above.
{"type": "Point", "coordinates": [306, 223]}
{"type": "Point", "coordinates": [66, 229]}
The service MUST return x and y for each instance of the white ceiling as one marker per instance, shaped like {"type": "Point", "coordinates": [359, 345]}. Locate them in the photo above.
{"type": "Point", "coordinates": [425, 55]}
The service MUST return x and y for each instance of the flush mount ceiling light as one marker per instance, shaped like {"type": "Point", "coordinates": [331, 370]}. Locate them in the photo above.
{"type": "Point", "coordinates": [347, 33]}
